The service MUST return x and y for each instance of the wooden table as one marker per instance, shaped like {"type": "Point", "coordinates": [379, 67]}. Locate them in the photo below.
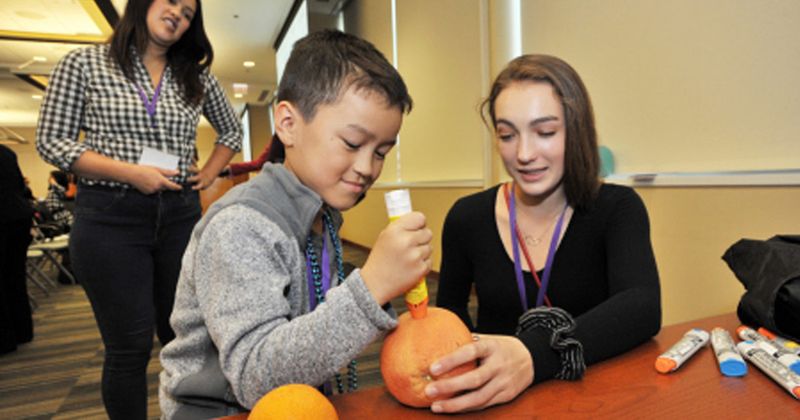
{"type": "Point", "coordinates": [627, 386]}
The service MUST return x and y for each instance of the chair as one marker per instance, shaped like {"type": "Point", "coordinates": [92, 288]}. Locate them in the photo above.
{"type": "Point", "coordinates": [50, 249]}
{"type": "Point", "coordinates": [33, 268]}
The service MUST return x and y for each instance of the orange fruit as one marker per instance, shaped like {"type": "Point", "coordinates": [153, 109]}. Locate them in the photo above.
{"type": "Point", "coordinates": [293, 402]}
{"type": "Point", "coordinates": [409, 350]}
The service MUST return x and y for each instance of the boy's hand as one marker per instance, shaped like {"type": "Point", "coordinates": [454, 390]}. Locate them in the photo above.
{"type": "Point", "coordinates": [400, 257]}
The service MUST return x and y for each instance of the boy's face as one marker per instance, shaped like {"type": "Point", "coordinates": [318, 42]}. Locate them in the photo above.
{"type": "Point", "coordinates": [340, 152]}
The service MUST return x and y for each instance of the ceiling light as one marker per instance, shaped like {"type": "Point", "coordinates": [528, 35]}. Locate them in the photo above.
{"type": "Point", "coordinates": [37, 97]}
{"type": "Point", "coordinates": [240, 88]}
{"type": "Point", "coordinates": [238, 95]}
{"type": "Point", "coordinates": [249, 64]}
{"type": "Point", "coordinates": [35, 59]}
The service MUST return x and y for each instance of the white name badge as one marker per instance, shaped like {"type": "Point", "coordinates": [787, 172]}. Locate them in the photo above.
{"type": "Point", "coordinates": [157, 158]}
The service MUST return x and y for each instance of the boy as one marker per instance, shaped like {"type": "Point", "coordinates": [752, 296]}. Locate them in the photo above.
{"type": "Point", "coordinates": [256, 305]}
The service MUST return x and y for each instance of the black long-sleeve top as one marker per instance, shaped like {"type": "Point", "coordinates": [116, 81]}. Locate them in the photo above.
{"type": "Point", "coordinates": [604, 274]}
{"type": "Point", "coordinates": [14, 206]}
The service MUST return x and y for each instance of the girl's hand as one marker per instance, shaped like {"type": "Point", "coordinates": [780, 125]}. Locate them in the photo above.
{"type": "Point", "coordinates": [505, 370]}
{"type": "Point", "coordinates": [201, 179]}
{"type": "Point", "coordinates": [150, 179]}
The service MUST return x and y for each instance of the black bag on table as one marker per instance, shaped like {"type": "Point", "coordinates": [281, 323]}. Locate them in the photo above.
{"type": "Point", "coordinates": [770, 273]}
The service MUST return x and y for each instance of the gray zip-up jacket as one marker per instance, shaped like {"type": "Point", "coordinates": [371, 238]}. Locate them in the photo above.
{"type": "Point", "coordinates": [241, 313]}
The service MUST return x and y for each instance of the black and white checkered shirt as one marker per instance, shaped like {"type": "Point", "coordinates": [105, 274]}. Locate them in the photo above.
{"type": "Point", "coordinates": [54, 202]}
{"type": "Point", "coordinates": [89, 92]}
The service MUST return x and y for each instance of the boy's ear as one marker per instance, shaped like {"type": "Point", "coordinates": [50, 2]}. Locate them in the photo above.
{"type": "Point", "coordinates": [287, 122]}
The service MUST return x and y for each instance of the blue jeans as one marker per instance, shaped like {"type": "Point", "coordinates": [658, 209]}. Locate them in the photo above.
{"type": "Point", "coordinates": [126, 250]}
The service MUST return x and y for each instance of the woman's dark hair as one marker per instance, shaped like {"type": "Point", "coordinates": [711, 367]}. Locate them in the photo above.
{"type": "Point", "coordinates": [324, 64]}
{"type": "Point", "coordinates": [581, 157]}
{"type": "Point", "coordinates": [188, 58]}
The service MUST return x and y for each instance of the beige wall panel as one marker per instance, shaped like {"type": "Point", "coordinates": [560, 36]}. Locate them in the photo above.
{"type": "Point", "coordinates": [260, 129]}
{"type": "Point", "coordinates": [692, 228]}
{"type": "Point", "coordinates": [364, 222]}
{"type": "Point", "coordinates": [440, 57]}
{"type": "Point", "coordinates": [372, 20]}
{"type": "Point", "coordinates": [682, 85]}
{"type": "Point", "coordinates": [206, 138]}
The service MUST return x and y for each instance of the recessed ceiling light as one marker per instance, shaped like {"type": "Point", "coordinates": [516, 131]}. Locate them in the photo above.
{"type": "Point", "coordinates": [238, 95]}
{"type": "Point", "coordinates": [249, 64]}
{"type": "Point", "coordinates": [37, 97]}
{"type": "Point", "coordinates": [240, 88]}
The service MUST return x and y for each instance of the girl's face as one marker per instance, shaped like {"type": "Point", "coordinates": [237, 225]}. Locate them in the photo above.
{"type": "Point", "coordinates": [340, 152]}
{"type": "Point", "coordinates": [531, 136]}
{"type": "Point", "coordinates": [168, 20]}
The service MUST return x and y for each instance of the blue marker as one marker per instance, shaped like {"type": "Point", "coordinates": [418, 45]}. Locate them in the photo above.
{"type": "Point", "coordinates": [779, 373]}
{"type": "Point", "coordinates": [729, 359]}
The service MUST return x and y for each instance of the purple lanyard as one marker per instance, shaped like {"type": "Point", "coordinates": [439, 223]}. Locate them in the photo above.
{"type": "Point", "coordinates": [326, 273]}
{"type": "Point", "coordinates": [150, 105]}
{"type": "Point", "coordinates": [548, 265]}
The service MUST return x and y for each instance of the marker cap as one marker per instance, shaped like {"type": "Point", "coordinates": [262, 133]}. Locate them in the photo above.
{"type": "Point", "coordinates": [733, 368]}
{"type": "Point", "coordinates": [398, 202]}
{"type": "Point", "coordinates": [795, 367]}
{"type": "Point", "coordinates": [665, 365]}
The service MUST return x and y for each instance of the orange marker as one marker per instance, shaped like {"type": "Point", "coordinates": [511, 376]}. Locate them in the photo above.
{"type": "Point", "coordinates": [681, 351]}
{"type": "Point", "coordinates": [398, 203]}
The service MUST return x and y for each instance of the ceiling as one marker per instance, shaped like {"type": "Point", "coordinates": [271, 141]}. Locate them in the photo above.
{"type": "Point", "coordinates": [239, 30]}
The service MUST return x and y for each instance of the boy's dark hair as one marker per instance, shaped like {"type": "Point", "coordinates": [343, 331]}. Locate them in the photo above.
{"type": "Point", "coordinates": [581, 157]}
{"type": "Point", "coordinates": [188, 58]}
{"type": "Point", "coordinates": [324, 64]}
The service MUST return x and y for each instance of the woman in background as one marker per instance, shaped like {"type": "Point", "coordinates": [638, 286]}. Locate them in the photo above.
{"type": "Point", "coordinates": [138, 99]}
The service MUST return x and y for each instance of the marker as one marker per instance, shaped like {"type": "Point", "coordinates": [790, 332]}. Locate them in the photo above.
{"type": "Point", "coordinates": [681, 351]}
{"type": "Point", "coordinates": [769, 365]}
{"type": "Point", "coordinates": [398, 203]}
{"type": "Point", "coordinates": [779, 341]}
{"type": "Point", "coordinates": [730, 362]}
{"type": "Point", "coordinates": [788, 359]}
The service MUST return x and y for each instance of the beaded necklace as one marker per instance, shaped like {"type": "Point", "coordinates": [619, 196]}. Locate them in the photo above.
{"type": "Point", "coordinates": [319, 279]}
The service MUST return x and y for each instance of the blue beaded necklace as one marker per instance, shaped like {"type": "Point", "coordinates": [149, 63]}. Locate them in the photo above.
{"type": "Point", "coordinates": [319, 279]}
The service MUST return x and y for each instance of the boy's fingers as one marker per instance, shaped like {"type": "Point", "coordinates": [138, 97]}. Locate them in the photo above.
{"type": "Point", "coordinates": [411, 221]}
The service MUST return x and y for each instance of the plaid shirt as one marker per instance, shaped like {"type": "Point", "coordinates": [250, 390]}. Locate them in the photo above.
{"type": "Point", "coordinates": [89, 92]}
{"type": "Point", "coordinates": [56, 194]}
